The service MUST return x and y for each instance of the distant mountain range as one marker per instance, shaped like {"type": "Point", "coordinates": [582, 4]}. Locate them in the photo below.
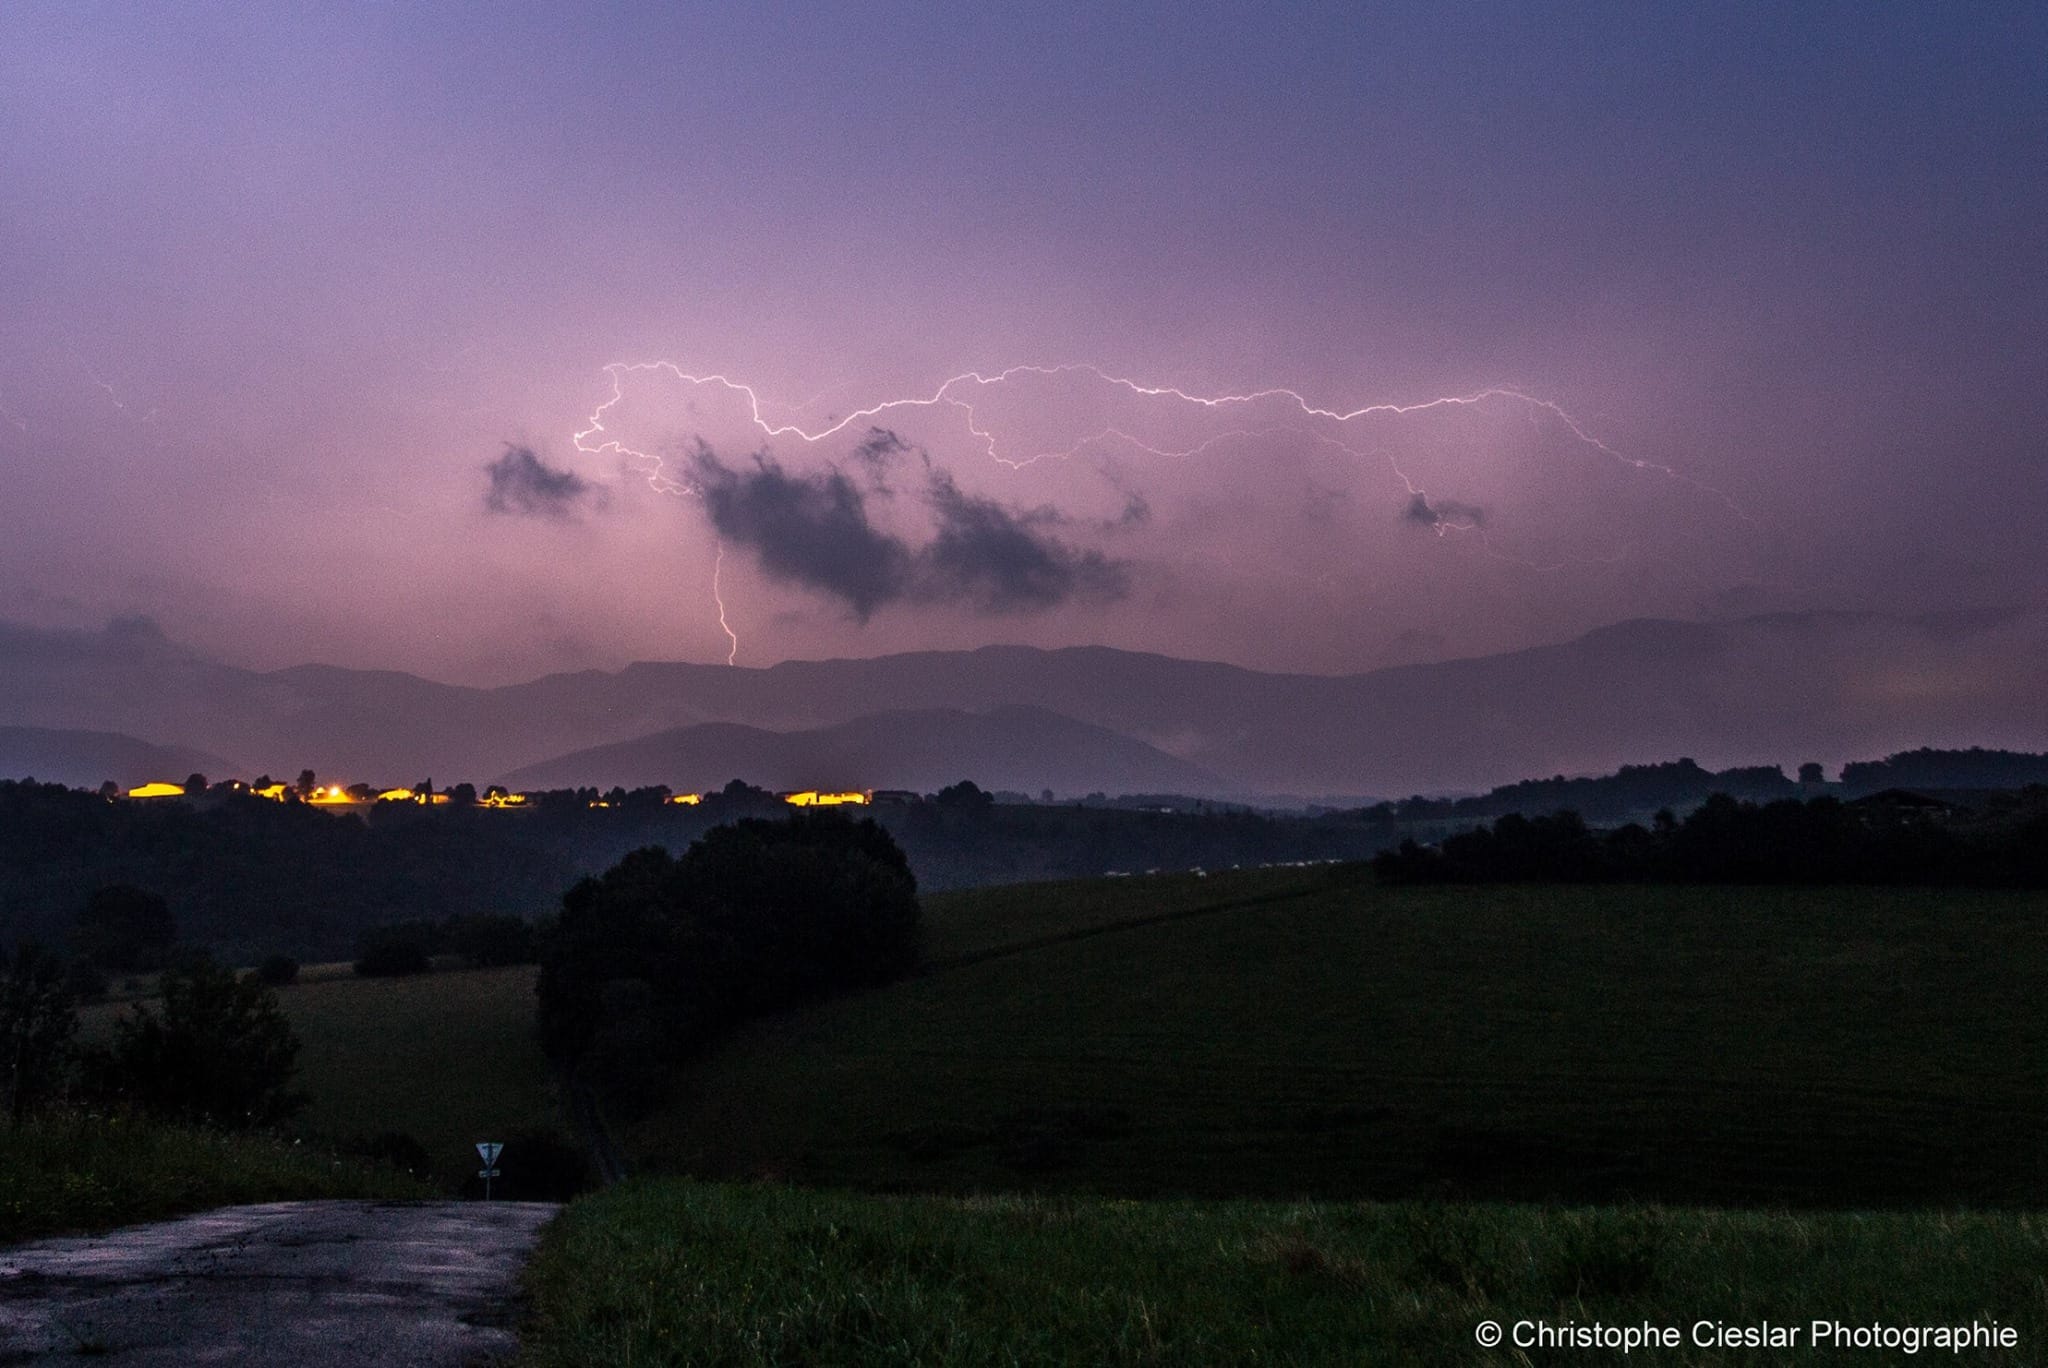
{"type": "Point", "coordinates": [1776, 689]}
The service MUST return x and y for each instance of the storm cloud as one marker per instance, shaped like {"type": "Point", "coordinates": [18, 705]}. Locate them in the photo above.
{"type": "Point", "coordinates": [808, 529]}
{"type": "Point", "coordinates": [813, 529]}
{"type": "Point", "coordinates": [522, 483]}
{"type": "Point", "coordinates": [1003, 562]}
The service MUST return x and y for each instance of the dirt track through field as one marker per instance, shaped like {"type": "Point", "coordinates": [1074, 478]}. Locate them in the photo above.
{"type": "Point", "coordinates": [306, 1284]}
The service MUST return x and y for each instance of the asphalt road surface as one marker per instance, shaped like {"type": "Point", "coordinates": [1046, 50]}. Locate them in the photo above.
{"type": "Point", "coordinates": [303, 1284]}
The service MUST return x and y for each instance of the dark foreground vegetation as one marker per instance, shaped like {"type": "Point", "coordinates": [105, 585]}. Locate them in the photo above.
{"type": "Point", "coordinates": [248, 878]}
{"type": "Point", "coordinates": [688, 1273]}
{"type": "Point", "coordinates": [67, 1170]}
{"type": "Point", "coordinates": [166, 1105]}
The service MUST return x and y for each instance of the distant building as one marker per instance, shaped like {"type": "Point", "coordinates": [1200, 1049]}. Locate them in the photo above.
{"type": "Point", "coordinates": [158, 789]}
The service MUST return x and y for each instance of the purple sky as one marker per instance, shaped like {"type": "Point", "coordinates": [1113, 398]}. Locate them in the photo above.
{"type": "Point", "coordinates": [1769, 289]}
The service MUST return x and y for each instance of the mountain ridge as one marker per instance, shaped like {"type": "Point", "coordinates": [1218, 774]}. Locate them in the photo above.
{"type": "Point", "coordinates": [1776, 688]}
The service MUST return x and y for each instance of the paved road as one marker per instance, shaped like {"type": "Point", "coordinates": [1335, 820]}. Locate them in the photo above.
{"type": "Point", "coordinates": [303, 1284]}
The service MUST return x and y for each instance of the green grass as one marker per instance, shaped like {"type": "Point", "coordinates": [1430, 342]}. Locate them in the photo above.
{"type": "Point", "coordinates": [62, 1172]}
{"type": "Point", "coordinates": [674, 1272]}
{"type": "Point", "coordinates": [969, 923]}
{"type": "Point", "coordinates": [448, 1058]}
{"type": "Point", "coordinates": [1720, 1045]}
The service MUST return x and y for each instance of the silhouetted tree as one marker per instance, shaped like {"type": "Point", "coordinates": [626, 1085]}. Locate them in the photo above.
{"type": "Point", "coordinates": [755, 916]}
{"type": "Point", "coordinates": [965, 796]}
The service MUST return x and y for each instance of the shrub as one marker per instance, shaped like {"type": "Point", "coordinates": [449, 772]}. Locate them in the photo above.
{"type": "Point", "coordinates": [219, 1052]}
{"type": "Point", "coordinates": [486, 941]}
{"type": "Point", "coordinates": [37, 1020]}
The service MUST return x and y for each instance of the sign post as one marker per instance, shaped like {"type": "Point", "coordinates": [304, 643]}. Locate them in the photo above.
{"type": "Point", "coordinates": [488, 1151]}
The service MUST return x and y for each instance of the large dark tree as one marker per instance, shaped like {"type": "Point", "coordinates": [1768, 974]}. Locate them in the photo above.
{"type": "Point", "coordinates": [662, 953]}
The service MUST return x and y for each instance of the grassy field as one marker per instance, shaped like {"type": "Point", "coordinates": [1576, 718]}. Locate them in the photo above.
{"type": "Point", "coordinates": [674, 1272]}
{"type": "Point", "coordinates": [65, 1173]}
{"type": "Point", "coordinates": [447, 1058]}
{"type": "Point", "coordinates": [1287, 1033]}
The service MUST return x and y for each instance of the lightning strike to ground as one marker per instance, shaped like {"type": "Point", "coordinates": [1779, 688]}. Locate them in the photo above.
{"type": "Point", "coordinates": [732, 653]}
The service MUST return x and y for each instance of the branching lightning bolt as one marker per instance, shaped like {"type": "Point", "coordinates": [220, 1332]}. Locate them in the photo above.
{"type": "Point", "coordinates": [595, 439]}
{"type": "Point", "coordinates": [944, 395]}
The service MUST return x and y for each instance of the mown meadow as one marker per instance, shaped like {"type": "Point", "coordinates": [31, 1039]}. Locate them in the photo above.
{"type": "Point", "coordinates": [1305, 1033]}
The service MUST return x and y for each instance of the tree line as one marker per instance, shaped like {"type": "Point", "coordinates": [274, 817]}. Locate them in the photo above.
{"type": "Point", "coordinates": [1730, 841]}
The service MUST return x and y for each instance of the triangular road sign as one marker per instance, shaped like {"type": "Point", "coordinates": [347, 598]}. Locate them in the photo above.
{"type": "Point", "coordinates": [488, 1151]}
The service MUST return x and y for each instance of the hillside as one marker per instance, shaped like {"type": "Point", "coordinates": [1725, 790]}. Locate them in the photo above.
{"type": "Point", "coordinates": [1284, 1034]}
{"type": "Point", "coordinates": [1016, 747]}
{"type": "Point", "coordinates": [86, 759]}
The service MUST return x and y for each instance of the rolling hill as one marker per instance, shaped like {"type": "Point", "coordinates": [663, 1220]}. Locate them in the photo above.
{"type": "Point", "coordinates": [85, 759]}
{"type": "Point", "coordinates": [1013, 747]}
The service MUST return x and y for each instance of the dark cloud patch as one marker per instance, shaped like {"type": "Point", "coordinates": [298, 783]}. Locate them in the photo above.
{"type": "Point", "coordinates": [877, 451]}
{"type": "Point", "coordinates": [811, 530]}
{"type": "Point", "coordinates": [1004, 562]}
{"type": "Point", "coordinates": [1423, 511]}
{"type": "Point", "coordinates": [879, 447]}
{"type": "Point", "coordinates": [524, 484]}
{"type": "Point", "coordinates": [814, 530]}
